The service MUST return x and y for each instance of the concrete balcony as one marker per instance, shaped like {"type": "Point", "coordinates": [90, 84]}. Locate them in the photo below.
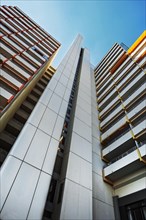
{"type": "Point", "coordinates": [140, 128]}
{"type": "Point", "coordinates": [139, 54]}
{"type": "Point", "coordinates": [111, 116]}
{"type": "Point", "coordinates": [31, 58]}
{"type": "Point", "coordinates": [9, 26]}
{"type": "Point", "coordinates": [128, 163]}
{"type": "Point", "coordinates": [135, 83]}
{"type": "Point", "coordinates": [125, 67]}
{"type": "Point", "coordinates": [105, 58]}
{"type": "Point", "coordinates": [25, 39]}
{"type": "Point", "coordinates": [124, 142]}
{"type": "Point", "coordinates": [130, 89]}
{"type": "Point", "coordinates": [127, 77]}
{"type": "Point", "coordinates": [3, 14]}
{"type": "Point", "coordinates": [106, 86]}
{"type": "Point", "coordinates": [4, 93]}
{"type": "Point", "coordinates": [16, 37]}
{"type": "Point", "coordinates": [27, 24]}
{"type": "Point", "coordinates": [108, 98]}
{"type": "Point", "coordinates": [18, 69]}
{"type": "Point", "coordinates": [135, 94]}
{"type": "Point", "coordinates": [26, 64]}
{"type": "Point", "coordinates": [16, 25]}
{"type": "Point", "coordinates": [107, 75]}
{"type": "Point", "coordinates": [133, 113]}
{"type": "Point", "coordinates": [10, 79]}
{"type": "Point", "coordinates": [6, 50]}
{"type": "Point", "coordinates": [118, 147]}
{"type": "Point", "coordinates": [139, 46]}
{"type": "Point", "coordinates": [12, 43]}
{"type": "Point", "coordinates": [130, 74]}
{"type": "Point", "coordinates": [5, 29]}
{"type": "Point", "coordinates": [114, 128]}
{"type": "Point", "coordinates": [111, 64]}
{"type": "Point", "coordinates": [106, 90]}
{"type": "Point", "coordinates": [108, 106]}
{"type": "Point", "coordinates": [111, 61]}
{"type": "Point", "coordinates": [36, 55]}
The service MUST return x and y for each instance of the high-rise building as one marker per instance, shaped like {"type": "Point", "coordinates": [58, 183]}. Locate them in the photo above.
{"type": "Point", "coordinates": [120, 85]}
{"type": "Point", "coordinates": [72, 139]}
{"type": "Point", "coordinates": [26, 52]}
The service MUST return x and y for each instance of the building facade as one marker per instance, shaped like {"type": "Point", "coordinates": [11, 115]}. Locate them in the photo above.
{"type": "Point", "coordinates": [72, 139]}
{"type": "Point", "coordinates": [120, 85]}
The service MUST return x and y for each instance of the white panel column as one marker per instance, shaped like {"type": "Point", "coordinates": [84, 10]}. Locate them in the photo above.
{"type": "Point", "coordinates": [26, 173]}
{"type": "Point", "coordinates": [102, 192]}
{"type": "Point", "coordinates": [77, 198]}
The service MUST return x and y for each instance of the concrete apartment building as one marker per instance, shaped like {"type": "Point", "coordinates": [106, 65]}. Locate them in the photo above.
{"type": "Point", "coordinates": [72, 141]}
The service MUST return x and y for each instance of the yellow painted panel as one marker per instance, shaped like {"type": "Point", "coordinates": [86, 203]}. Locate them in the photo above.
{"type": "Point", "coordinates": [137, 42]}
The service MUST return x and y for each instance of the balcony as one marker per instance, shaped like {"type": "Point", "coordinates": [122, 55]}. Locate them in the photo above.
{"type": "Point", "coordinates": [17, 69]}
{"type": "Point", "coordinates": [125, 67]}
{"type": "Point", "coordinates": [14, 24]}
{"type": "Point", "coordinates": [133, 113]}
{"type": "Point", "coordinates": [106, 57]}
{"type": "Point", "coordinates": [129, 163]}
{"type": "Point", "coordinates": [129, 90]}
{"type": "Point", "coordinates": [111, 104]}
{"type": "Point", "coordinates": [108, 98]}
{"type": "Point", "coordinates": [106, 86]}
{"type": "Point", "coordinates": [9, 26]}
{"type": "Point", "coordinates": [106, 90]}
{"type": "Point", "coordinates": [133, 85]}
{"type": "Point", "coordinates": [31, 58]}
{"type": "Point", "coordinates": [127, 77]}
{"type": "Point", "coordinates": [10, 79]}
{"type": "Point", "coordinates": [140, 129]}
{"type": "Point", "coordinates": [119, 146]}
{"type": "Point", "coordinates": [137, 110]}
{"type": "Point", "coordinates": [111, 116]}
{"type": "Point", "coordinates": [107, 64]}
{"type": "Point", "coordinates": [36, 56]}
{"type": "Point", "coordinates": [140, 46]}
{"type": "Point", "coordinates": [12, 44]}
{"type": "Point", "coordinates": [6, 50]}
{"type": "Point", "coordinates": [25, 39]}
{"type": "Point", "coordinates": [136, 94]}
{"type": "Point", "coordinates": [114, 128]}
{"type": "Point", "coordinates": [25, 64]}
{"type": "Point", "coordinates": [4, 93]}
{"type": "Point", "coordinates": [19, 42]}
{"type": "Point", "coordinates": [130, 73]}
{"type": "Point", "coordinates": [119, 75]}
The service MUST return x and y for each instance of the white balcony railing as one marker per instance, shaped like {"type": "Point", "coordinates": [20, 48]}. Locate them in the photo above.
{"type": "Point", "coordinates": [117, 143]}
{"type": "Point", "coordinates": [125, 161]}
{"type": "Point", "coordinates": [113, 128]}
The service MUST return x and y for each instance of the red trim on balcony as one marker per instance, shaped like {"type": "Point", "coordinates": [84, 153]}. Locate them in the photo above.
{"type": "Point", "coordinates": [9, 100]}
{"type": "Point", "coordinates": [21, 87]}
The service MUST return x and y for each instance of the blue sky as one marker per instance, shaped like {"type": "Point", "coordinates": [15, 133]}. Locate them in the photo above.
{"type": "Point", "coordinates": [101, 23]}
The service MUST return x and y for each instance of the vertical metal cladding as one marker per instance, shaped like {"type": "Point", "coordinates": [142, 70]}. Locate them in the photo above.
{"type": "Point", "coordinates": [55, 194]}
{"type": "Point", "coordinates": [77, 194]}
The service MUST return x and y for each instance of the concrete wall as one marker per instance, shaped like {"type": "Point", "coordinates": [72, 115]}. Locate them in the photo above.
{"type": "Point", "coordinates": [102, 192]}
